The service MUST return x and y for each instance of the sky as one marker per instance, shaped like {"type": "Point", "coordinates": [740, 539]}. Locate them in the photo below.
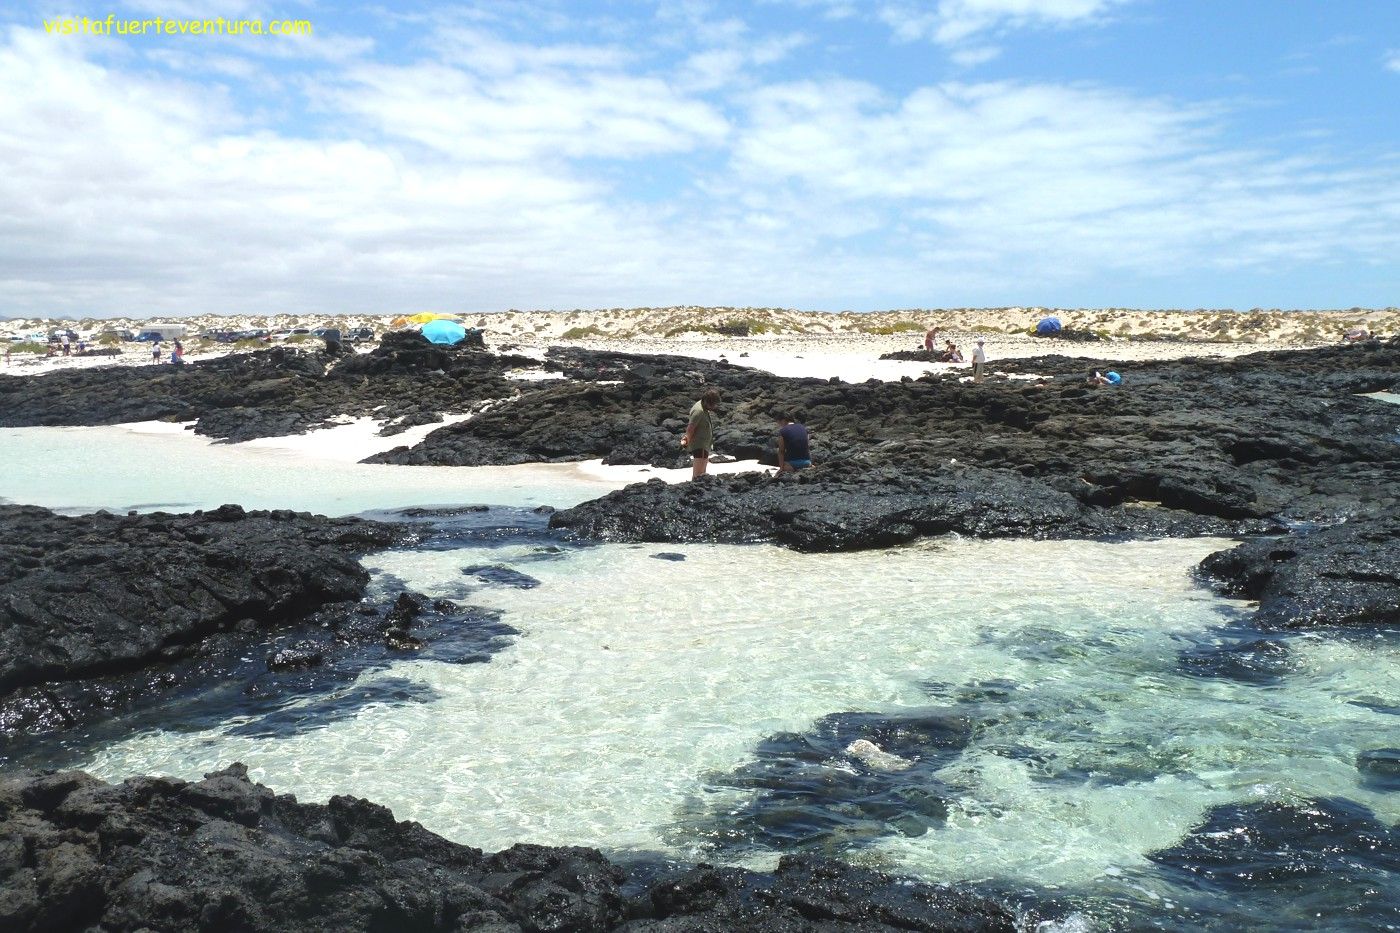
{"type": "Point", "coordinates": [812, 154]}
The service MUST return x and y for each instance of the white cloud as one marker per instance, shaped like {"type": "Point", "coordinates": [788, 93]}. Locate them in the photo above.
{"type": "Point", "coordinates": [1392, 60]}
{"type": "Point", "coordinates": [1054, 180]}
{"type": "Point", "coordinates": [505, 178]}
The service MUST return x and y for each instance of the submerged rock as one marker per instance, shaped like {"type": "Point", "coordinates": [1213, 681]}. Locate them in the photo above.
{"type": "Point", "coordinates": [225, 853]}
{"type": "Point", "coordinates": [1330, 863]}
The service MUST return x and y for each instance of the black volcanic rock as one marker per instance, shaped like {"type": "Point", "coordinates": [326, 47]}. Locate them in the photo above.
{"type": "Point", "coordinates": [95, 595]}
{"type": "Point", "coordinates": [1329, 863]}
{"type": "Point", "coordinates": [856, 506]}
{"type": "Point", "coordinates": [268, 393]}
{"type": "Point", "coordinates": [1347, 574]}
{"type": "Point", "coordinates": [224, 853]}
{"type": "Point", "coordinates": [1261, 436]}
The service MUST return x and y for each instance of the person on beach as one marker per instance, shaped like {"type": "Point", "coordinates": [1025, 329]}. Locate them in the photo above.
{"type": "Point", "coordinates": [979, 360]}
{"type": "Point", "coordinates": [66, 348]}
{"type": "Point", "coordinates": [699, 437]}
{"type": "Point", "coordinates": [155, 351]}
{"type": "Point", "coordinates": [794, 447]}
{"type": "Point", "coordinates": [930, 339]}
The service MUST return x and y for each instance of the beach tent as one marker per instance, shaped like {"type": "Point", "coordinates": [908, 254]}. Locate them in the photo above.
{"type": "Point", "coordinates": [444, 332]}
{"type": "Point", "coordinates": [399, 322]}
{"type": "Point", "coordinates": [427, 317]}
{"type": "Point", "coordinates": [1048, 326]}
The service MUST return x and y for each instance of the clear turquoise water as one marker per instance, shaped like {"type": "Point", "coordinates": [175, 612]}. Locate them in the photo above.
{"type": "Point", "coordinates": [642, 694]}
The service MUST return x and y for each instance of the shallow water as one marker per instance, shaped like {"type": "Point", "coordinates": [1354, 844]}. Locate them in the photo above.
{"type": "Point", "coordinates": [631, 711]}
{"type": "Point", "coordinates": [1079, 720]}
{"type": "Point", "coordinates": [85, 469]}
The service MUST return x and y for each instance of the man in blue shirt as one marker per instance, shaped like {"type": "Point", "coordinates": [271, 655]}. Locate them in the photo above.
{"type": "Point", "coordinates": [794, 451]}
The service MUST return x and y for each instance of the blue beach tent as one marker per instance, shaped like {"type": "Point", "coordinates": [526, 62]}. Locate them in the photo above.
{"type": "Point", "coordinates": [1048, 326]}
{"type": "Point", "coordinates": [444, 331]}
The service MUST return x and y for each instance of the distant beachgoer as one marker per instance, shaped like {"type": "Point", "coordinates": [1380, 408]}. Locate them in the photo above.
{"type": "Point", "coordinates": [955, 355]}
{"type": "Point", "coordinates": [794, 446]}
{"type": "Point", "coordinates": [979, 360]}
{"type": "Point", "coordinates": [66, 348]}
{"type": "Point", "coordinates": [930, 339]}
{"type": "Point", "coordinates": [155, 352]}
{"type": "Point", "coordinates": [1096, 378]}
{"type": "Point", "coordinates": [1113, 378]}
{"type": "Point", "coordinates": [700, 433]}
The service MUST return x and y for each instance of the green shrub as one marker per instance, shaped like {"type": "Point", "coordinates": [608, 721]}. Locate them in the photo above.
{"type": "Point", "coordinates": [248, 345]}
{"type": "Point", "coordinates": [301, 338]}
{"type": "Point", "coordinates": [746, 325]}
{"type": "Point", "coordinates": [689, 329]}
{"type": "Point", "coordinates": [579, 333]}
{"type": "Point", "coordinates": [986, 329]}
{"type": "Point", "coordinates": [898, 327]}
{"type": "Point", "coordinates": [109, 340]}
{"type": "Point", "coordinates": [30, 346]}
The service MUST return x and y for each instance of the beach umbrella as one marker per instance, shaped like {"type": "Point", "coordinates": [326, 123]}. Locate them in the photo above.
{"type": "Point", "coordinates": [444, 331]}
{"type": "Point", "coordinates": [425, 317]}
{"type": "Point", "coordinates": [1048, 326]}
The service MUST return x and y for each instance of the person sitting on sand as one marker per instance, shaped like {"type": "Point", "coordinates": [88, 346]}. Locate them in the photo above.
{"type": "Point", "coordinates": [794, 447]}
{"type": "Point", "coordinates": [1096, 378]}
{"type": "Point", "coordinates": [699, 437]}
{"type": "Point", "coordinates": [954, 354]}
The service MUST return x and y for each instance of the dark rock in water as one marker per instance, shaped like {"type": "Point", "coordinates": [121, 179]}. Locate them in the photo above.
{"type": "Point", "coordinates": [295, 657]}
{"type": "Point", "coordinates": [102, 594]}
{"type": "Point", "coordinates": [505, 576]}
{"type": "Point", "coordinates": [336, 706]}
{"type": "Point", "coordinates": [100, 610]}
{"type": "Point", "coordinates": [1347, 574]}
{"type": "Point", "coordinates": [445, 512]}
{"type": "Point", "coordinates": [814, 788]}
{"type": "Point", "coordinates": [1328, 863]}
{"type": "Point", "coordinates": [853, 506]}
{"type": "Point", "coordinates": [224, 853]}
{"type": "Point", "coordinates": [668, 555]}
{"type": "Point", "coordinates": [1380, 768]}
{"type": "Point", "coordinates": [1259, 661]}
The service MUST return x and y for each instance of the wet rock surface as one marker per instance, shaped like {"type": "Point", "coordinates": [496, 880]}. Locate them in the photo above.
{"type": "Point", "coordinates": [225, 853]}
{"type": "Point", "coordinates": [1287, 849]}
{"type": "Point", "coordinates": [1347, 574]}
{"type": "Point", "coordinates": [89, 600]}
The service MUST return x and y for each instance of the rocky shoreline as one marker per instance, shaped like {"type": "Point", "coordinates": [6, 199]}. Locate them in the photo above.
{"type": "Point", "coordinates": [225, 853]}
{"type": "Point", "coordinates": [101, 611]}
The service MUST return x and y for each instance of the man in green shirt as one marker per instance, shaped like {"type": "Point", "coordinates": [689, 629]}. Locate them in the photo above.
{"type": "Point", "coordinates": [700, 433]}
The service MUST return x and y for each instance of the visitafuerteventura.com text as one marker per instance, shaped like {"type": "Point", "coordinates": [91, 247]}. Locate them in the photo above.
{"type": "Point", "coordinates": [115, 25]}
